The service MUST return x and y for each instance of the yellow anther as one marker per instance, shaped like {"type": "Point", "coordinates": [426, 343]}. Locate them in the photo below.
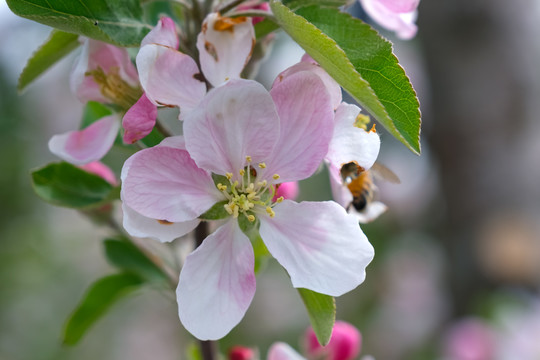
{"type": "Point", "coordinates": [252, 196]}
{"type": "Point", "coordinates": [280, 199]}
{"type": "Point", "coordinates": [242, 172]}
{"type": "Point", "coordinates": [262, 165]}
{"type": "Point", "coordinates": [361, 121]}
{"type": "Point", "coordinates": [270, 211]}
{"type": "Point", "coordinates": [262, 183]}
{"type": "Point", "coordinates": [228, 208]}
{"type": "Point", "coordinates": [250, 188]}
{"type": "Point", "coordinates": [248, 158]}
{"type": "Point", "coordinates": [221, 187]}
{"type": "Point", "coordinates": [251, 218]}
{"type": "Point", "coordinates": [275, 177]}
{"type": "Point", "coordinates": [235, 211]}
{"type": "Point", "coordinates": [228, 175]}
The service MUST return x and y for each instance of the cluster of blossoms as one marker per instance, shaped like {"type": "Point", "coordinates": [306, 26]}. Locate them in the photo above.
{"type": "Point", "coordinates": [242, 147]}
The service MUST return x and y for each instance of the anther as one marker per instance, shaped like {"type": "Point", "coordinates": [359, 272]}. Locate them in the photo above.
{"type": "Point", "coordinates": [248, 158]}
{"type": "Point", "coordinates": [228, 175]}
{"type": "Point", "coordinates": [275, 177]}
{"type": "Point", "coordinates": [270, 211]}
{"type": "Point", "coordinates": [262, 183]}
{"type": "Point", "coordinates": [242, 172]}
{"type": "Point", "coordinates": [262, 165]}
{"type": "Point", "coordinates": [251, 218]}
{"type": "Point", "coordinates": [221, 187]}
{"type": "Point", "coordinates": [280, 199]}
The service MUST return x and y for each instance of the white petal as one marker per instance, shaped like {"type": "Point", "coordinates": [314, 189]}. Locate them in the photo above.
{"type": "Point", "coordinates": [87, 145]}
{"type": "Point", "coordinates": [340, 193]}
{"type": "Point", "coordinates": [372, 211]}
{"type": "Point", "coordinates": [145, 227]}
{"type": "Point", "coordinates": [217, 283]}
{"type": "Point", "coordinates": [225, 47]}
{"type": "Point", "coordinates": [321, 246]}
{"type": "Point", "coordinates": [351, 143]}
{"type": "Point", "coordinates": [164, 33]}
{"type": "Point", "coordinates": [282, 351]}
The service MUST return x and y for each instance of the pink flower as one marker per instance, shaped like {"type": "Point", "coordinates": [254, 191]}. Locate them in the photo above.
{"type": "Point", "coordinates": [253, 140]}
{"type": "Point", "coordinates": [344, 344]}
{"type": "Point", "coordinates": [470, 339]}
{"type": "Point", "coordinates": [242, 353]}
{"type": "Point", "coordinates": [252, 5]}
{"type": "Point", "coordinates": [104, 73]}
{"type": "Point", "coordinates": [394, 15]}
{"type": "Point", "coordinates": [172, 78]}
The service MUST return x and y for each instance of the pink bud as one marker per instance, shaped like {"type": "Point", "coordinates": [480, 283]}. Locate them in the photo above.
{"type": "Point", "coordinates": [262, 6]}
{"type": "Point", "coordinates": [241, 353]}
{"type": "Point", "coordinates": [289, 190]}
{"type": "Point", "coordinates": [469, 339]}
{"type": "Point", "coordinates": [100, 169]}
{"type": "Point", "coordinates": [344, 344]}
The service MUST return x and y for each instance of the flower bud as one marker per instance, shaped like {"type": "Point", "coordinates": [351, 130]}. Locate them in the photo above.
{"type": "Point", "coordinates": [289, 190]}
{"type": "Point", "coordinates": [344, 344]}
{"type": "Point", "coordinates": [242, 353]}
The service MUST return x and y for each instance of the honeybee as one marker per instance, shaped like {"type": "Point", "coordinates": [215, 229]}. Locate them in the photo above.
{"type": "Point", "coordinates": [360, 182]}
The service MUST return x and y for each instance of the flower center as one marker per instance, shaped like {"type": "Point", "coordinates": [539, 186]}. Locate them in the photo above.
{"type": "Point", "coordinates": [114, 88]}
{"type": "Point", "coordinates": [249, 197]}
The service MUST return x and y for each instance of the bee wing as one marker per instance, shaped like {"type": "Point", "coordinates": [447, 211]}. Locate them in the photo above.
{"type": "Point", "coordinates": [382, 172]}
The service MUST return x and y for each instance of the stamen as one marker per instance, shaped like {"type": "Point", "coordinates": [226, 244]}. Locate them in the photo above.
{"type": "Point", "coordinates": [270, 211]}
{"type": "Point", "coordinates": [280, 199]}
{"type": "Point", "coordinates": [248, 158]}
{"type": "Point", "coordinates": [262, 165]}
{"type": "Point", "coordinates": [251, 218]}
{"type": "Point", "coordinates": [275, 176]}
{"type": "Point", "coordinates": [262, 183]}
{"type": "Point", "coordinates": [221, 187]}
{"type": "Point", "coordinates": [228, 175]}
{"type": "Point", "coordinates": [242, 172]}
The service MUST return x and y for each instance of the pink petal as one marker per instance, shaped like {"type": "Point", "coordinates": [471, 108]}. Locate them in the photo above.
{"type": "Point", "coordinates": [145, 227]}
{"type": "Point", "coordinates": [282, 351]}
{"type": "Point", "coordinates": [164, 33]}
{"type": "Point", "coordinates": [87, 145]}
{"type": "Point", "coordinates": [96, 54]}
{"type": "Point", "coordinates": [177, 142]}
{"type": "Point", "coordinates": [306, 126]}
{"type": "Point", "coordinates": [225, 47]}
{"type": "Point", "coordinates": [351, 143]}
{"type": "Point", "coordinates": [321, 247]}
{"type": "Point", "coordinates": [100, 169]}
{"type": "Point", "coordinates": [234, 120]}
{"type": "Point", "coordinates": [169, 77]}
{"type": "Point", "coordinates": [332, 86]}
{"type": "Point", "coordinates": [400, 6]}
{"type": "Point", "coordinates": [139, 120]}
{"type": "Point", "coordinates": [217, 283]}
{"type": "Point", "coordinates": [400, 22]}
{"type": "Point", "coordinates": [164, 183]}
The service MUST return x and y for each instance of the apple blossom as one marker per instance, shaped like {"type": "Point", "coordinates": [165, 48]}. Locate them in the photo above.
{"type": "Point", "coordinates": [394, 15]}
{"type": "Point", "coordinates": [345, 343]}
{"type": "Point", "coordinates": [248, 141]}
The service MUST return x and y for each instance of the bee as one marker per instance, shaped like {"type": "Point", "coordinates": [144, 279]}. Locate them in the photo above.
{"type": "Point", "coordinates": [360, 182]}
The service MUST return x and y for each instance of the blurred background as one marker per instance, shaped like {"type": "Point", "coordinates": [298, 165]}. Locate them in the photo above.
{"type": "Point", "coordinates": [457, 267]}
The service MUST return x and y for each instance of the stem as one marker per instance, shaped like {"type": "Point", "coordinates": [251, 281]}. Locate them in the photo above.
{"type": "Point", "coordinates": [208, 348]}
{"type": "Point", "coordinates": [230, 6]}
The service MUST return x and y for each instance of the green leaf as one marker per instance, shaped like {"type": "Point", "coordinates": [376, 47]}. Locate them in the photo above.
{"type": "Point", "coordinates": [216, 212]}
{"type": "Point", "coordinates": [264, 28]}
{"type": "Point", "coordinates": [126, 256]}
{"type": "Point", "coordinates": [296, 4]}
{"type": "Point", "coordinates": [117, 22]}
{"type": "Point", "coordinates": [361, 61]}
{"type": "Point", "coordinates": [322, 313]}
{"type": "Point", "coordinates": [58, 45]}
{"type": "Point", "coordinates": [93, 111]}
{"type": "Point", "coordinates": [63, 184]}
{"type": "Point", "coordinates": [97, 300]}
